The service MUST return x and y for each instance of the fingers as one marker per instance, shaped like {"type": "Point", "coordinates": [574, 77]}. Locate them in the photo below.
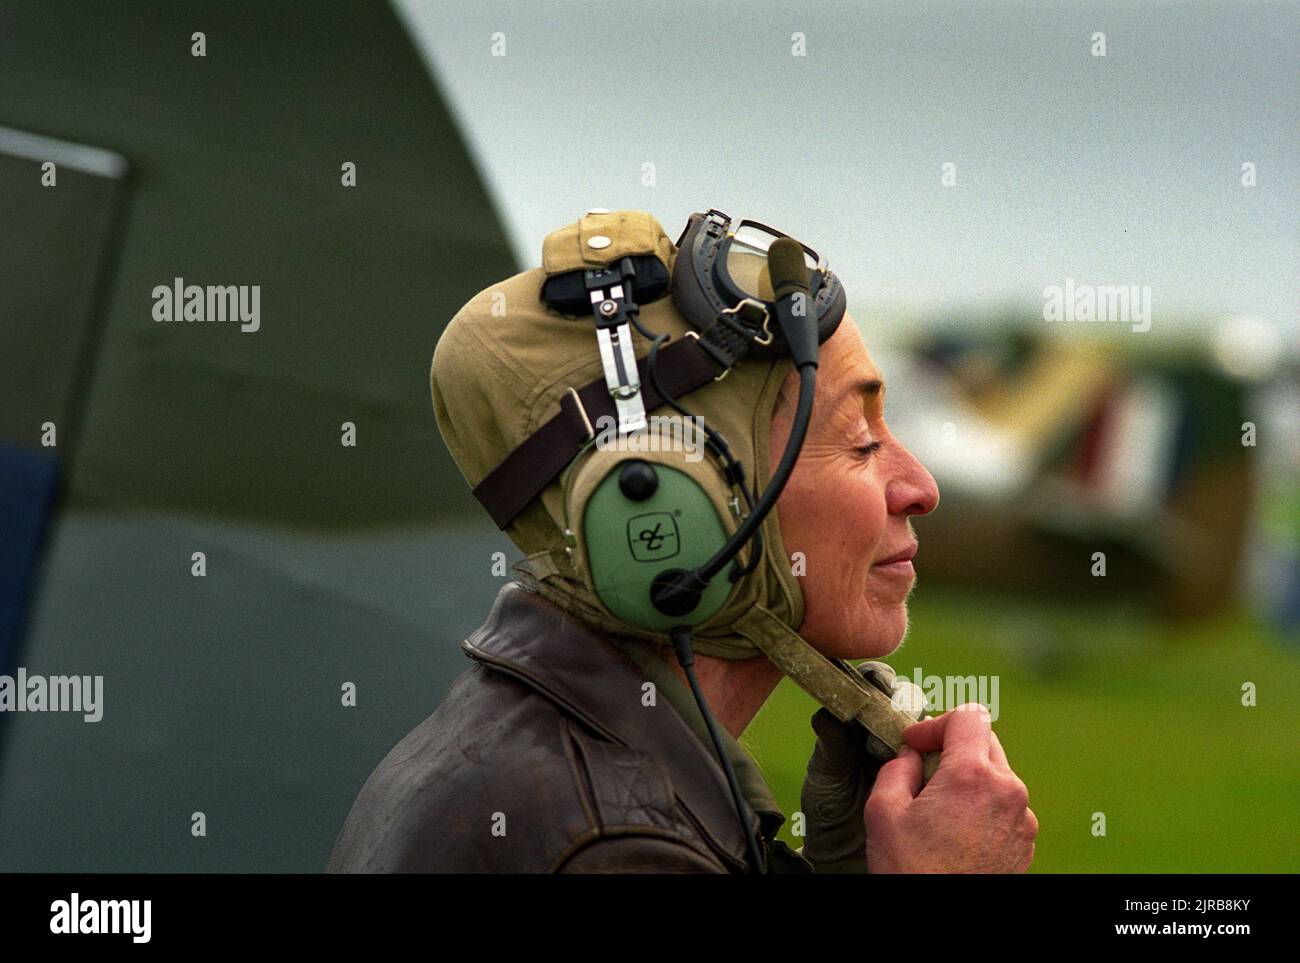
{"type": "Point", "coordinates": [996, 754]}
{"type": "Point", "coordinates": [963, 733]}
{"type": "Point", "coordinates": [838, 743]}
{"type": "Point", "coordinates": [897, 783]}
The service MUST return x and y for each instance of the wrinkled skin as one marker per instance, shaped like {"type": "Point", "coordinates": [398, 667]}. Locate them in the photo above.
{"type": "Point", "coordinates": [848, 505]}
{"type": "Point", "coordinates": [847, 510]}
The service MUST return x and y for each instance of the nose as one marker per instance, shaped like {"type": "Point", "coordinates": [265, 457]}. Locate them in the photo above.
{"type": "Point", "coordinates": [912, 490]}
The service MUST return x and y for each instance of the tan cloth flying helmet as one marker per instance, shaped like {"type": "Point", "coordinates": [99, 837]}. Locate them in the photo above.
{"type": "Point", "coordinates": [500, 370]}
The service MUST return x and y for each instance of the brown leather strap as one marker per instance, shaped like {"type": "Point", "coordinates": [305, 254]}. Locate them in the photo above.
{"type": "Point", "coordinates": [523, 474]}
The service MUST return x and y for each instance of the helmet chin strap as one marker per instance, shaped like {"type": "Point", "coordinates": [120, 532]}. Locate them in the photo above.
{"type": "Point", "coordinates": [832, 682]}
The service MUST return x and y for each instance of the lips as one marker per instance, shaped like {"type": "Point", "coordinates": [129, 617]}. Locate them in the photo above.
{"type": "Point", "coordinates": [900, 558]}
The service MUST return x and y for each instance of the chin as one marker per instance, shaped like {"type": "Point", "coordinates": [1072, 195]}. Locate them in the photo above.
{"type": "Point", "coordinates": [875, 634]}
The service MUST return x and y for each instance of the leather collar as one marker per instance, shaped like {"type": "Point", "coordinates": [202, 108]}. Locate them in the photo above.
{"type": "Point", "coordinates": [564, 660]}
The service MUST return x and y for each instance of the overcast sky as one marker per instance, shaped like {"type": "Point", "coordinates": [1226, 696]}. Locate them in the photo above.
{"type": "Point", "coordinates": [1123, 169]}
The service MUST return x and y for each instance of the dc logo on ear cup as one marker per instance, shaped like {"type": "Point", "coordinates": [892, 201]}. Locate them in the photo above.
{"type": "Point", "coordinates": [653, 537]}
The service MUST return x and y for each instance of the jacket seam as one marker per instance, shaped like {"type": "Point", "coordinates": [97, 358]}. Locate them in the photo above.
{"type": "Point", "coordinates": [581, 773]}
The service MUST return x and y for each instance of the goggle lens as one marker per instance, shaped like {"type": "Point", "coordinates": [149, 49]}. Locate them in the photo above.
{"type": "Point", "coordinates": [747, 259]}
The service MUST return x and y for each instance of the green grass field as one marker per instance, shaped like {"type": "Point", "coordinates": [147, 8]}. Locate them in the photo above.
{"type": "Point", "coordinates": [1109, 712]}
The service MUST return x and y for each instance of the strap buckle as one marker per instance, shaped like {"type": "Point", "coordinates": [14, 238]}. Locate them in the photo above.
{"type": "Point", "coordinates": [730, 337]}
{"type": "Point", "coordinates": [767, 317]}
{"type": "Point", "coordinates": [725, 371]}
{"type": "Point", "coordinates": [610, 305]}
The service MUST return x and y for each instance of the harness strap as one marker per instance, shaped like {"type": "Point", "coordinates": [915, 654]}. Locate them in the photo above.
{"type": "Point", "coordinates": [524, 473]}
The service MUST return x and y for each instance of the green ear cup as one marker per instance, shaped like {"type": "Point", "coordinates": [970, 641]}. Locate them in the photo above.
{"type": "Point", "coordinates": [640, 520]}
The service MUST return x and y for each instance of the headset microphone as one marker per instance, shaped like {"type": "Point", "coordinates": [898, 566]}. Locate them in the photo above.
{"type": "Point", "coordinates": [677, 592]}
{"type": "Point", "coordinates": [789, 274]}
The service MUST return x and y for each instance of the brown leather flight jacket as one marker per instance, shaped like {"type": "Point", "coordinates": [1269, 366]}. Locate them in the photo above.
{"type": "Point", "coordinates": [543, 759]}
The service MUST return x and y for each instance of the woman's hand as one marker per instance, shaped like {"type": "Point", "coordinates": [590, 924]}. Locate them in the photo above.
{"type": "Point", "coordinates": [973, 815]}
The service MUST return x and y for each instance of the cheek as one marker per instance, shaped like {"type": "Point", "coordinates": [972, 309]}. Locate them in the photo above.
{"type": "Point", "coordinates": [837, 521]}
{"type": "Point", "coordinates": [856, 514]}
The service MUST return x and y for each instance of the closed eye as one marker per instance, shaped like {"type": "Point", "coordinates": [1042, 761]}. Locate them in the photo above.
{"type": "Point", "coordinates": [866, 451]}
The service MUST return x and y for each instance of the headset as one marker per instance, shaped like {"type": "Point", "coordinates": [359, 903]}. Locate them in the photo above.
{"type": "Point", "coordinates": [655, 541]}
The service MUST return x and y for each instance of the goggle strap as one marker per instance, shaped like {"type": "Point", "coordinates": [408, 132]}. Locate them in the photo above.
{"type": "Point", "coordinates": [728, 340]}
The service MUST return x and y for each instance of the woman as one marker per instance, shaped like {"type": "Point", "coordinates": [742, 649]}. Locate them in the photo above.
{"type": "Point", "coordinates": [573, 744]}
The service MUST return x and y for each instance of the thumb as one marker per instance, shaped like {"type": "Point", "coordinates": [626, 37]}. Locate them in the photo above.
{"type": "Point", "coordinates": [927, 735]}
{"type": "Point", "coordinates": [899, 780]}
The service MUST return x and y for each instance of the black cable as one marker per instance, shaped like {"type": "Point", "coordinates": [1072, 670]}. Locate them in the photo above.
{"type": "Point", "coordinates": [681, 636]}
{"type": "Point", "coordinates": [803, 414]}
{"type": "Point", "coordinates": [749, 528]}
{"type": "Point", "coordinates": [718, 447]}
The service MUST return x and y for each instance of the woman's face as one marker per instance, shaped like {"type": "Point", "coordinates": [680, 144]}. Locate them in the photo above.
{"type": "Point", "coordinates": [845, 511]}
